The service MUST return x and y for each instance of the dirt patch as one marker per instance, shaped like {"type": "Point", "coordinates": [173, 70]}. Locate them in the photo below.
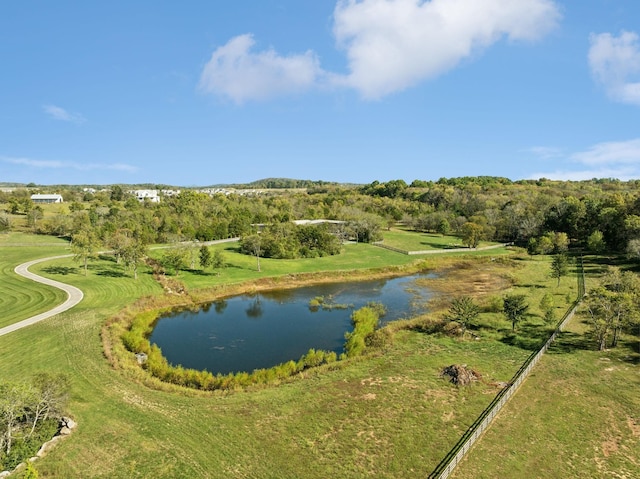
{"type": "Point", "coordinates": [371, 382]}
{"type": "Point", "coordinates": [609, 447]}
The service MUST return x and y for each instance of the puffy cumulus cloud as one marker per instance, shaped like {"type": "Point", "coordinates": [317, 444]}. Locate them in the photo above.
{"type": "Point", "coordinates": [616, 159]}
{"type": "Point", "coordinates": [236, 72]}
{"type": "Point", "coordinates": [394, 44]}
{"type": "Point", "coordinates": [390, 45]}
{"type": "Point", "coordinates": [58, 113]}
{"type": "Point", "coordinates": [615, 63]}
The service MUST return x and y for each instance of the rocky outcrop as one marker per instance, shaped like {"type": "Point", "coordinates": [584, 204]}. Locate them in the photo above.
{"type": "Point", "coordinates": [460, 375]}
{"type": "Point", "coordinates": [66, 427]}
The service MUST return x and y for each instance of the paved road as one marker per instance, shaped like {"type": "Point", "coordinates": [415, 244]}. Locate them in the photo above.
{"type": "Point", "coordinates": [74, 295]}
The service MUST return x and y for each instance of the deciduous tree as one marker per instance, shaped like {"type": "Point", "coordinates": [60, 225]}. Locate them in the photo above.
{"type": "Point", "coordinates": [472, 233]}
{"type": "Point", "coordinates": [174, 258]}
{"type": "Point", "coordinates": [559, 267]}
{"type": "Point", "coordinates": [84, 245]}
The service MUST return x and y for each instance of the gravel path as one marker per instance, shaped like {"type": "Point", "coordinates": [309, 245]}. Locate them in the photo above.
{"type": "Point", "coordinates": [74, 295]}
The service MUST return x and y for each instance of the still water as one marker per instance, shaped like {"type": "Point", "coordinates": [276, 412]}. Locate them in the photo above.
{"type": "Point", "coordinates": [248, 332]}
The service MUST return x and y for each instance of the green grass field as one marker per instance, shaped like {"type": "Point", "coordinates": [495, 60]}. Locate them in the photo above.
{"type": "Point", "coordinates": [415, 241]}
{"type": "Point", "coordinates": [577, 415]}
{"type": "Point", "coordinates": [21, 298]}
{"type": "Point", "coordinates": [388, 416]}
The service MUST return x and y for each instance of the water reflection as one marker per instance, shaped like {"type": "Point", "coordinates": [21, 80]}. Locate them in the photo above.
{"type": "Point", "coordinates": [247, 332]}
{"type": "Point", "coordinates": [254, 310]}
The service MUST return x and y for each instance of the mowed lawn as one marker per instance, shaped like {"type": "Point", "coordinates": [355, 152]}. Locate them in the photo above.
{"type": "Point", "coordinates": [417, 241]}
{"type": "Point", "coordinates": [21, 298]}
{"type": "Point", "coordinates": [390, 416]}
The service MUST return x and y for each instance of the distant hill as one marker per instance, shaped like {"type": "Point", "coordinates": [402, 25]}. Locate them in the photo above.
{"type": "Point", "coordinates": [281, 183]}
{"type": "Point", "coordinates": [266, 183]}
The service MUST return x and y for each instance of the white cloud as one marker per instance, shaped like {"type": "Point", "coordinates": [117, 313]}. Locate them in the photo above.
{"type": "Point", "coordinates": [623, 174]}
{"type": "Point", "coordinates": [395, 44]}
{"type": "Point", "coordinates": [54, 164]}
{"type": "Point", "coordinates": [610, 153]}
{"type": "Point", "coordinates": [603, 160]}
{"type": "Point", "coordinates": [390, 45]}
{"type": "Point", "coordinates": [546, 152]}
{"type": "Point", "coordinates": [61, 114]}
{"type": "Point", "coordinates": [240, 74]}
{"type": "Point", "coordinates": [615, 63]}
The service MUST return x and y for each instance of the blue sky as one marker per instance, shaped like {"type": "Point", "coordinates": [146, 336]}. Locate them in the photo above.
{"type": "Point", "coordinates": [197, 93]}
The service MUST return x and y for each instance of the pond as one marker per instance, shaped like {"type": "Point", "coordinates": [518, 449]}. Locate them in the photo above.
{"type": "Point", "coordinates": [248, 332]}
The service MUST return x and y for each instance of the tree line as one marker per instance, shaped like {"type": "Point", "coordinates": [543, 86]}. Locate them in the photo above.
{"type": "Point", "coordinates": [602, 214]}
{"type": "Point", "coordinates": [544, 216]}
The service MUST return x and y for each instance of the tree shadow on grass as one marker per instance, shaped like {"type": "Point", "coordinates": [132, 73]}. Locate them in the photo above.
{"type": "Point", "coordinates": [527, 336]}
{"type": "Point", "coordinates": [437, 245]}
{"type": "Point", "coordinates": [63, 270]}
{"type": "Point", "coordinates": [568, 342]}
{"type": "Point", "coordinates": [111, 273]}
{"type": "Point", "coordinates": [108, 271]}
{"type": "Point", "coordinates": [633, 345]}
{"type": "Point", "coordinates": [535, 286]}
{"type": "Point", "coordinates": [209, 274]}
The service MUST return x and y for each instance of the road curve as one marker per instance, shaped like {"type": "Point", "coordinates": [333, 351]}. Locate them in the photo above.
{"type": "Point", "coordinates": [74, 295]}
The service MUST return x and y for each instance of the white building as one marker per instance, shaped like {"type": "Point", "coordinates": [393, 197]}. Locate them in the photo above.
{"type": "Point", "coordinates": [41, 198]}
{"type": "Point", "coordinates": [147, 195]}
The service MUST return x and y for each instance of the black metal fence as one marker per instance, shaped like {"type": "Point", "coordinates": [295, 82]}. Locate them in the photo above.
{"type": "Point", "coordinates": [457, 453]}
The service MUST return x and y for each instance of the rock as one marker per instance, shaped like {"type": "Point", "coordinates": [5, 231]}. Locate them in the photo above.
{"type": "Point", "coordinates": [67, 422]}
{"type": "Point", "coordinates": [141, 357]}
{"type": "Point", "coordinates": [47, 446]}
{"type": "Point", "coordinates": [460, 375]}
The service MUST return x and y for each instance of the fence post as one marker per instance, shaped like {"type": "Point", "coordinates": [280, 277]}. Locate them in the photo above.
{"type": "Point", "coordinates": [451, 460]}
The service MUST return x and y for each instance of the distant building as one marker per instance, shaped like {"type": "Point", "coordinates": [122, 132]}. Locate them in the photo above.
{"type": "Point", "coordinates": [40, 198]}
{"type": "Point", "coordinates": [147, 195]}
{"type": "Point", "coordinates": [170, 192]}
{"type": "Point", "coordinates": [318, 222]}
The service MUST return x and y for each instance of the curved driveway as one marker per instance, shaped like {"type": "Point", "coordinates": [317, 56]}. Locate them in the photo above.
{"type": "Point", "coordinates": [74, 295]}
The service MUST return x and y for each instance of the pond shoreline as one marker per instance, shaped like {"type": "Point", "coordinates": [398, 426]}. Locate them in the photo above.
{"type": "Point", "coordinates": [261, 329]}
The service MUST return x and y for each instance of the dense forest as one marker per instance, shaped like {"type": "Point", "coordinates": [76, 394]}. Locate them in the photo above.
{"type": "Point", "coordinates": [602, 215]}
